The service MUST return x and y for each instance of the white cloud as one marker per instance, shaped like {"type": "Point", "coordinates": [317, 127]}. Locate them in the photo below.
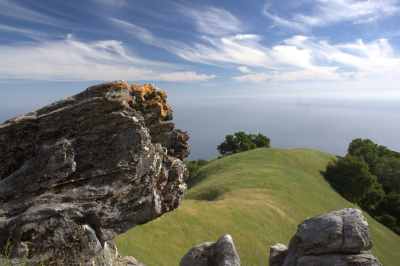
{"type": "Point", "coordinates": [293, 59]}
{"type": "Point", "coordinates": [287, 23]}
{"type": "Point", "coordinates": [374, 58]}
{"type": "Point", "coordinates": [12, 9]}
{"type": "Point", "coordinates": [146, 36]}
{"type": "Point", "coordinates": [113, 3]}
{"type": "Point", "coordinates": [236, 49]}
{"type": "Point", "coordinates": [210, 50]}
{"type": "Point", "coordinates": [136, 31]}
{"type": "Point", "coordinates": [71, 59]}
{"type": "Point", "coordinates": [327, 12]}
{"type": "Point", "coordinates": [32, 34]}
{"type": "Point", "coordinates": [254, 77]}
{"type": "Point", "coordinates": [213, 21]}
{"type": "Point", "coordinates": [301, 58]}
{"type": "Point", "coordinates": [244, 69]}
{"type": "Point", "coordinates": [184, 76]}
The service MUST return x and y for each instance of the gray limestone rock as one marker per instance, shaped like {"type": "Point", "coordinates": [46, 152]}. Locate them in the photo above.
{"type": "Point", "coordinates": [343, 231]}
{"type": "Point", "coordinates": [78, 172]}
{"type": "Point", "coordinates": [221, 253]}
{"type": "Point", "coordinates": [339, 260]}
{"type": "Point", "coordinates": [333, 239]}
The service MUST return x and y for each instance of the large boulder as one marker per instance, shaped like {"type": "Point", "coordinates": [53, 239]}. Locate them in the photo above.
{"type": "Point", "coordinates": [221, 253]}
{"type": "Point", "coordinates": [336, 238]}
{"type": "Point", "coordinates": [78, 172]}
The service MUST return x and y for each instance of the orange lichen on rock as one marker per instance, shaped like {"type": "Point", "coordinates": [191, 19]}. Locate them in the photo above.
{"type": "Point", "coordinates": [149, 99]}
{"type": "Point", "coordinates": [142, 91]}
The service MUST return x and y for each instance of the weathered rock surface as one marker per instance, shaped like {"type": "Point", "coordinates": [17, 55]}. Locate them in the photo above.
{"type": "Point", "coordinates": [76, 173]}
{"type": "Point", "coordinates": [333, 239]}
{"type": "Point", "coordinates": [339, 260]}
{"type": "Point", "coordinates": [277, 254]}
{"type": "Point", "coordinates": [221, 253]}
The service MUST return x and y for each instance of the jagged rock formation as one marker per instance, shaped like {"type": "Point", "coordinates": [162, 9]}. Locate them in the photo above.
{"type": "Point", "coordinates": [221, 253]}
{"type": "Point", "coordinates": [338, 238]}
{"type": "Point", "coordinates": [76, 173]}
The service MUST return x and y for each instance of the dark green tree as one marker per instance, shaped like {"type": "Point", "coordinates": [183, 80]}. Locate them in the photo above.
{"type": "Point", "coordinates": [388, 172]}
{"type": "Point", "coordinates": [366, 150]}
{"type": "Point", "coordinates": [391, 205]}
{"type": "Point", "coordinates": [370, 176]}
{"type": "Point", "coordinates": [241, 141]}
{"type": "Point", "coordinates": [373, 198]}
{"type": "Point", "coordinates": [260, 140]}
{"type": "Point", "coordinates": [351, 177]}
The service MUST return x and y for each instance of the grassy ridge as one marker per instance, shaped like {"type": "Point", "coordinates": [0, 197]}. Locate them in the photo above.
{"type": "Point", "coordinates": [259, 197]}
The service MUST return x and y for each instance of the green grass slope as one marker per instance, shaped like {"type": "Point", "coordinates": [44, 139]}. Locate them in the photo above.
{"type": "Point", "coordinates": [259, 197]}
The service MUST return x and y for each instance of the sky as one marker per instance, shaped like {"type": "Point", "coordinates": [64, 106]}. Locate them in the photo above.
{"type": "Point", "coordinates": [333, 44]}
{"type": "Point", "coordinates": [200, 50]}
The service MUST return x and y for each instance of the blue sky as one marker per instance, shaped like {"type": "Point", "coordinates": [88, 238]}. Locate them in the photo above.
{"type": "Point", "coordinates": [337, 47]}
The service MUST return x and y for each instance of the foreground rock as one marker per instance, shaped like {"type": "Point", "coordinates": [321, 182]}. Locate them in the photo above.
{"type": "Point", "coordinates": [277, 255]}
{"type": "Point", "coordinates": [221, 253]}
{"type": "Point", "coordinates": [338, 238]}
{"type": "Point", "coordinates": [76, 173]}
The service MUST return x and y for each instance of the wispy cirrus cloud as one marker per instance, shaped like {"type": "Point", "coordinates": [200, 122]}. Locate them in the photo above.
{"type": "Point", "coordinates": [212, 20]}
{"type": "Point", "coordinates": [253, 77]}
{"type": "Point", "coordinates": [182, 76]}
{"type": "Point", "coordinates": [28, 33]}
{"type": "Point", "coordinates": [327, 12]}
{"type": "Point", "coordinates": [137, 32]}
{"type": "Point", "coordinates": [13, 9]}
{"type": "Point", "coordinates": [238, 48]}
{"type": "Point", "coordinates": [292, 59]}
{"type": "Point", "coordinates": [72, 59]}
{"type": "Point", "coordinates": [112, 3]}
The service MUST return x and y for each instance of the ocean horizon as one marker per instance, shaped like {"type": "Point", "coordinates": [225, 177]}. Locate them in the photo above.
{"type": "Point", "coordinates": [291, 122]}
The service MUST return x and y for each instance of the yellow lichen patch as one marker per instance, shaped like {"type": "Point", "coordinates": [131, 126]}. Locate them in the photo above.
{"type": "Point", "coordinates": [142, 91]}
{"type": "Point", "coordinates": [151, 99]}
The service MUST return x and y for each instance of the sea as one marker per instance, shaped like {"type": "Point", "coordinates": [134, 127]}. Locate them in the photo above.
{"type": "Point", "coordinates": [290, 122]}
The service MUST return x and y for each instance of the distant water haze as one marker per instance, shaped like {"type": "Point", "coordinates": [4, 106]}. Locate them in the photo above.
{"type": "Point", "coordinates": [324, 124]}
{"type": "Point", "coordinates": [291, 122]}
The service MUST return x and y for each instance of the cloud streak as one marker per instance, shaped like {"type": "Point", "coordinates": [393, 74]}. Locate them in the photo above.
{"type": "Point", "coordinates": [71, 59]}
{"type": "Point", "coordinates": [297, 58]}
{"type": "Point", "coordinates": [304, 58]}
{"type": "Point", "coordinates": [14, 10]}
{"type": "Point", "coordinates": [213, 21]}
{"type": "Point", "coordinates": [328, 12]}
{"type": "Point", "coordinates": [28, 33]}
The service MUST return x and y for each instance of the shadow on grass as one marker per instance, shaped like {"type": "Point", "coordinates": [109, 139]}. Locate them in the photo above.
{"type": "Point", "coordinates": [212, 194]}
{"type": "Point", "coordinates": [197, 178]}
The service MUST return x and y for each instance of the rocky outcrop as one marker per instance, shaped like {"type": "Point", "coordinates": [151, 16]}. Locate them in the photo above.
{"type": "Point", "coordinates": [333, 239]}
{"type": "Point", "coordinates": [221, 253]}
{"type": "Point", "coordinates": [76, 173]}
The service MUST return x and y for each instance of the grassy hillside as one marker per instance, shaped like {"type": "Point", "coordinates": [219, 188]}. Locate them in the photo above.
{"type": "Point", "coordinates": [259, 197]}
